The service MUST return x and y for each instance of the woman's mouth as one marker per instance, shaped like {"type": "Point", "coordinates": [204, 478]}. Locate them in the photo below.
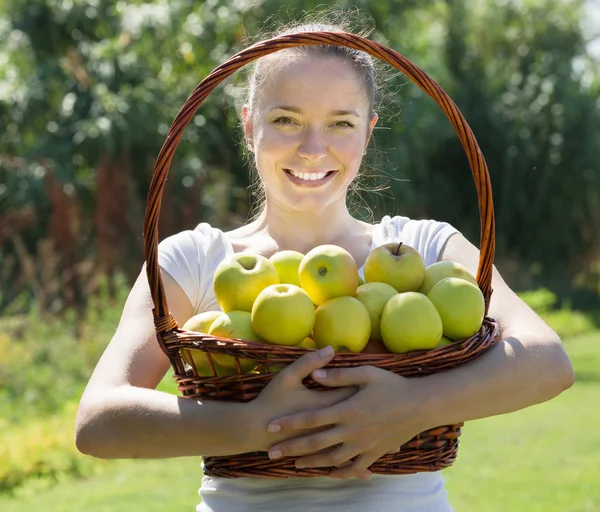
{"type": "Point", "coordinates": [310, 179]}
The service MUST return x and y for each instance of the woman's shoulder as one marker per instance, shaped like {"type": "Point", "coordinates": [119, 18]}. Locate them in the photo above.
{"type": "Point", "coordinates": [398, 224]}
{"type": "Point", "coordinates": [426, 235]}
{"type": "Point", "coordinates": [190, 258]}
{"type": "Point", "coordinates": [200, 238]}
{"type": "Point", "coordinates": [199, 249]}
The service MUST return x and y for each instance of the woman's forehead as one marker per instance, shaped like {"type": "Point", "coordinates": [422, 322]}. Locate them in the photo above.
{"type": "Point", "coordinates": [314, 80]}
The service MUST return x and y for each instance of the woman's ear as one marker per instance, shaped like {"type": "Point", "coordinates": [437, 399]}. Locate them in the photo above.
{"type": "Point", "coordinates": [247, 124]}
{"type": "Point", "coordinates": [372, 124]}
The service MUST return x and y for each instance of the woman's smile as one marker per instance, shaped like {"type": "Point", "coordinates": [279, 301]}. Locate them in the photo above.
{"type": "Point", "coordinates": [309, 178]}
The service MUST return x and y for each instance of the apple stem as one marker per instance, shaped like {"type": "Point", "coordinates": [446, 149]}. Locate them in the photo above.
{"type": "Point", "coordinates": [398, 248]}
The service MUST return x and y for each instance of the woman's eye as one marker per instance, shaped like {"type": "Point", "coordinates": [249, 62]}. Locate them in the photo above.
{"type": "Point", "coordinates": [343, 124]}
{"type": "Point", "coordinates": [285, 121]}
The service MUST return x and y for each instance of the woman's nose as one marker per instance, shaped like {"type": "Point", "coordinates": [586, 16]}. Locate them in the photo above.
{"type": "Point", "coordinates": [313, 145]}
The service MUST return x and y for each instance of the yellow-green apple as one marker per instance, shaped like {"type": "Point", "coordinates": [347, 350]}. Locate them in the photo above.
{"type": "Point", "coordinates": [201, 323]}
{"type": "Point", "coordinates": [344, 323]}
{"type": "Point", "coordinates": [234, 324]}
{"type": "Point", "coordinates": [308, 342]}
{"type": "Point", "coordinates": [374, 297]}
{"type": "Point", "coordinates": [441, 270]}
{"type": "Point", "coordinates": [410, 322]}
{"type": "Point", "coordinates": [327, 272]}
{"type": "Point", "coordinates": [283, 314]}
{"type": "Point", "coordinates": [396, 264]}
{"type": "Point", "coordinates": [461, 306]}
{"type": "Point", "coordinates": [443, 342]}
{"type": "Point", "coordinates": [360, 280]}
{"type": "Point", "coordinates": [287, 264]}
{"type": "Point", "coordinates": [239, 278]}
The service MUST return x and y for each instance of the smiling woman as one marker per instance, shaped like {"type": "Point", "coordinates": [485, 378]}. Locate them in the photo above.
{"type": "Point", "coordinates": [356, 71]}
{"type": "Point", "coordinates": [308, 147]}
{"type": "Point", "coordinates": [307, 119]}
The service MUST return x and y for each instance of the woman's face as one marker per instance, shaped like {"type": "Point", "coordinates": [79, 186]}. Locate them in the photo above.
{"type": "Point", "coordinates": [309, 128]}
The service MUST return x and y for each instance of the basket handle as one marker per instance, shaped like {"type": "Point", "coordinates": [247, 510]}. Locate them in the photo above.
{"type": "Point", "coordinates": [163, 320]}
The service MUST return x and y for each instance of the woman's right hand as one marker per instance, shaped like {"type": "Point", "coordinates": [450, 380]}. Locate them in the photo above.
{"type": "Point", "coordinates": [286, 394]}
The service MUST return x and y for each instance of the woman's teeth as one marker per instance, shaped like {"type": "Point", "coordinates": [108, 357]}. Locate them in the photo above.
{"type": "Point", "coordinates": [308, 176]}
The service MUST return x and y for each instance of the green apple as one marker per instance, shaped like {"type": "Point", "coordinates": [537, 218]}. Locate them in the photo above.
{"type": "Point", "coordinates": [396, 264]}
{"type": "Point", "coordinates": [344, 323]}
{"type": "Point", "coordinates": [443, 342]}
{"type": "Point", "coordinates": [287, 264]}
{"type": "Point", "coordinates": [234, 324]}
{"type": "Point", "coordinates": [441, 270]}
{"type": "Point", "coordinates": [283, 314]}
{"type": "Point", "coordinates": [461, 306]}
{"type": "Point", "coordinates": [239, 278]}
{"type": "Point", "coordinates": [308, 342]}
{"type": "Point", "coordinates": [201, 323]}
{"type": "Point", "coordinates": [410, 322]}
{"type": "Point", "coordinates": [360, 280]}
{"type": "Point", "coordinates": [327, 272]}
{"type": "Point", "coordinates": [374, 297]}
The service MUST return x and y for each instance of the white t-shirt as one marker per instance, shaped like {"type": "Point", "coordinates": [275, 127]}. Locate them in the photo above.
{"type": "Point", "coordinates": [191, 258]}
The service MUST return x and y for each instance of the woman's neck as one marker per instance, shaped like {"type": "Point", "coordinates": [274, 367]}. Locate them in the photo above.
{"type": "Point", "coordinates": [301, 231]}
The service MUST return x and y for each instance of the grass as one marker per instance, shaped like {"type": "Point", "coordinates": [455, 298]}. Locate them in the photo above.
{"type": "Point", "coordinates": [538, 459]}
{"type": "Point", "coordinates": [543, 458]}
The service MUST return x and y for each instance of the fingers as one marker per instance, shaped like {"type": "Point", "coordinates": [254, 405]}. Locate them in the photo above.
{"type": "Point", "coordinates": [308, 419]}
{"type": "Point", "coordinates": [356, 376]}
{"type": "Point", "coordinates": [307, 444]}
{"type": "Point", "coordinates": [306, 364]}
{"type": "Point", "coordinates": [338, 457]}
{"type": "Point", "coordinates": [333, 396]}
{"type": "Point", "coordinates": [358, 468]}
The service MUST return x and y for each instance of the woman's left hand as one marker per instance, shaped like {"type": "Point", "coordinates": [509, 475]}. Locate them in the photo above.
{"type": "Point", "coordinates": [380, 417]}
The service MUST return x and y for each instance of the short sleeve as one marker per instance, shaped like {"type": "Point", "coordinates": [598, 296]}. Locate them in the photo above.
{"type": "Point", "coordinates": [190, 257]}
{"type": "Point", "coordinates": [426, 235]}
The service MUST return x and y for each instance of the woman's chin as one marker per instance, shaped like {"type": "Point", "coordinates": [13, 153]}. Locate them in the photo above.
{"type": "Point", "coordinates": [306, 203]}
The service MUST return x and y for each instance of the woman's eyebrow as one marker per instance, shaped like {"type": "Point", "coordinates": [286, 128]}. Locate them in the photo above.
{"type": "Point", "coordinates": [333, 113]}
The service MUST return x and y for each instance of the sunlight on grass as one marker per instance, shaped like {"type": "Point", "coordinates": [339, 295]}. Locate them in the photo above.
{"type": "Point", "coordinates": [538, 459]}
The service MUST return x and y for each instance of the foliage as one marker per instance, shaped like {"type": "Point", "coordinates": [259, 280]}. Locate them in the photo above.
{"type": "Point", "coordinates": [91, 86]}
{"type": "Point", "coordinates": [42, 451]}
{"type": "Point", "coordinates": [45, 361]}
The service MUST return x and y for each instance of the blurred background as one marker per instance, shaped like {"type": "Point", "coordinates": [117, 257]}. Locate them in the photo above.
{"type": "Point", "coordinates": [88, 90]}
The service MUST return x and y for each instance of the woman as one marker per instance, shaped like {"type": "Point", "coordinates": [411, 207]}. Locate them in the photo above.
{"type": "Point", "coordinates": [308, 119]}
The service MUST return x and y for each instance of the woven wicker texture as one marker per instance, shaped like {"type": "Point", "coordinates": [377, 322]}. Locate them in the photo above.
{"type": "Point", "coordinates": [429, 451]}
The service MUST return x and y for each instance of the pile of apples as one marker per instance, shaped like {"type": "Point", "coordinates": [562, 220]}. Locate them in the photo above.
{"type": "Point", "coordinates": [317, 299]}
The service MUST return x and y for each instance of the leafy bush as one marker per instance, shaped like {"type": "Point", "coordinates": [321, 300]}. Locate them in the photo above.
{"type": "Point", "coordinates": [46, 361]}
{"type": "Point", "coordinates": [43, 450]}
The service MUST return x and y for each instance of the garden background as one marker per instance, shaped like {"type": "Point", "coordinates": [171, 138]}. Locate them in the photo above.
{"type": "Point", "coordinates": [88, 89]}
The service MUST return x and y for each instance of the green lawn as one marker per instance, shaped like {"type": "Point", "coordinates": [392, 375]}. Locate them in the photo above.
{"type": "Point", "coordinates": [545, 458]}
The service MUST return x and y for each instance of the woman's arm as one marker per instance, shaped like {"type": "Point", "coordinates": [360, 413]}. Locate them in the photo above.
{"type": "Point", "coordinates": [527, 366]}
{"type": "Point", "coordinates": [121, 415]}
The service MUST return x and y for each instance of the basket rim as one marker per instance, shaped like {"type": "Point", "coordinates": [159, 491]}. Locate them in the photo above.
{"type": "Point", "coordinates": [164, 321]}
{"type": "Point", "coordinates": [410, 364]}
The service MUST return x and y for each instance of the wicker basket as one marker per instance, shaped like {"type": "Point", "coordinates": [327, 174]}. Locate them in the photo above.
{"type": "Point", "coordinates": [429, 451]}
